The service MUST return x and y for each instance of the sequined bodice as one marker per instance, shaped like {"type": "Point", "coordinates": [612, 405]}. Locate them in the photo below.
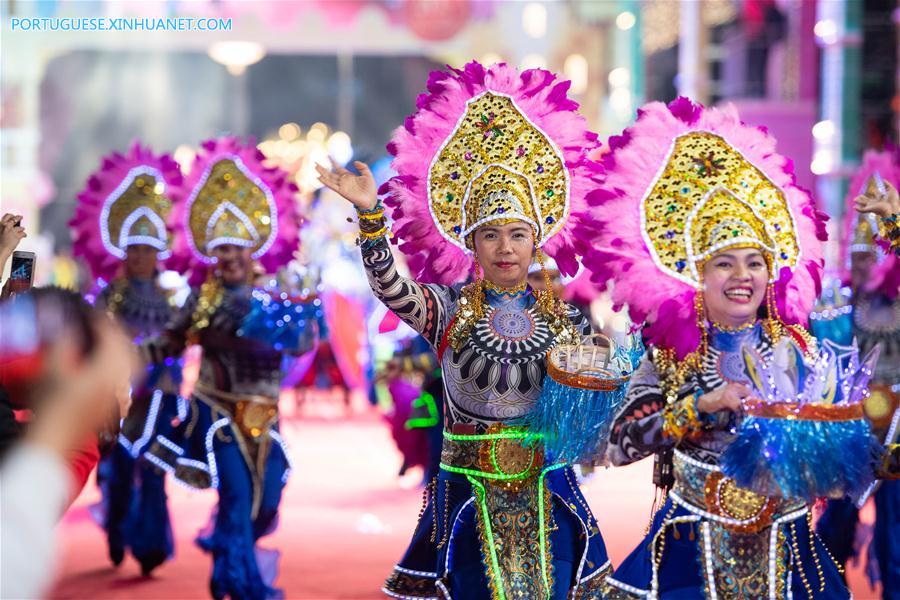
{"type": "Point", "coordinates": [723, 364]}
{"type": "Point", "coordinates": [876, 320]}
{"type": "Point", "coordinates": [498, 372]}
{"type": "Point", "coordinates": [638, 429]}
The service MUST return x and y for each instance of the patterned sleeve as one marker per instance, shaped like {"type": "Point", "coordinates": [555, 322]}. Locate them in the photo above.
{"type": "Point", "coordinates": [425, 308]}
{"type": "Point", "coordinates": [640, 429]}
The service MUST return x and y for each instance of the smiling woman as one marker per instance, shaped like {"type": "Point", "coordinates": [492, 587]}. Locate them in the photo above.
{"type": "Point", "coordinates": [734, 248]}
{"type": "Point", "coordinates": [734, 287]}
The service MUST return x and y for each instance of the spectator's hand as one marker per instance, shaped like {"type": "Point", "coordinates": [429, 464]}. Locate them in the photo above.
{"type": "Point", "coordinates": [11, 233]}
{"type": "Point", "coordinates": [873, 201]}
{"type": "Point", "coordinates": [81, 392]}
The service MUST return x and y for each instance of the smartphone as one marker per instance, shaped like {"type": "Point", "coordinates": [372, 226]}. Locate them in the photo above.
{"type": "Point", "coordinates": [21, 273]}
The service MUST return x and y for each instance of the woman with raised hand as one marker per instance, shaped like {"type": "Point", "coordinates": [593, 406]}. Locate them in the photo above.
{"type": "Point", "coordinates": [490, 170]}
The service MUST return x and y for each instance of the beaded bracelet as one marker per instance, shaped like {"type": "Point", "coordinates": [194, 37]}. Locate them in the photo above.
{"type": "Point", "coordinates": [371, 235]}
{"type": "Point", "coordinates": [371, 216]}
{"type": "Point", "coordinates": [366, 213]}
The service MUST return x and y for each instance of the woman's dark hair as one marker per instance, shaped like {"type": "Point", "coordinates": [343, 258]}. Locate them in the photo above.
{"type": "Point", "coordinates": [31, 323]}
{"type": "Point", "coordinates": [56, 305]}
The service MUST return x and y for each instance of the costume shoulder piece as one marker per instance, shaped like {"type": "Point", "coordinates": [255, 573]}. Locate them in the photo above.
{"type": "Point", "coordinates": [683, 183]}
{"type": "Point", "coordinates": [232, 197]}
{"type": "Point", "coordinates": [860, 232]}
{"type": "Point", "coordinates": [488, 144]}
{"type": "Point", "coordinates": [125, 202]}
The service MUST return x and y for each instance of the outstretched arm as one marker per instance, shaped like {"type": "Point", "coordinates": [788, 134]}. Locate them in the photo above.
{"type": "Point", "coordinates": [422, 307]}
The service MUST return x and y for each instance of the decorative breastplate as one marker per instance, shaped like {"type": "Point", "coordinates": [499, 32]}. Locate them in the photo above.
{"type": "Point", "coordinates": [498, 373]}
{"type": "Point", "coordinates": [876, 320]}
{"type": "Point", "coordinates": [142, 306]}
{"type": "Point", "coordinates": [232, 363]}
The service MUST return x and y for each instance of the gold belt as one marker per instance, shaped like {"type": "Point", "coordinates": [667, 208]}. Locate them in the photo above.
{"type": "Point", "coordinates": [253, 414]}
{"type": "Point", "coordinates": [705, 487]}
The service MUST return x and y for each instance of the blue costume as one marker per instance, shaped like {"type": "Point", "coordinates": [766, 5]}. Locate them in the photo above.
{"type": "Point", "coordinates": [489, 148]}
{"type": "Point", "coordinates": [494, 377]}
{"type": "Point", "coordinates": [734, 544]}
{"type": "Point", "coordinates": [137, 516]}
{"type": "Point", "coordinates": [119, 229]}
{"type": "Point", "coordinates": [229, 439]}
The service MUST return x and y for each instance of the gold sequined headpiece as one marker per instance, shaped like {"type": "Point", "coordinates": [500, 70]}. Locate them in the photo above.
{"type": "Point", "coordinates": [708, 197]}
{"type": "Point", "coordinates": [136, 212]}
{"type": "Point", "coordinates": [231, 205]}
{"type": "Point", "coordinates": [496, 166]}
{"type": "Point", "coordinates": [126, 202]}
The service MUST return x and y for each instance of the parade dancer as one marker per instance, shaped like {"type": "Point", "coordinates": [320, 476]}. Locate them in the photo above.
{"type": "Point", "coordinates": [234, 211]}
{"type": "Point", "coordinates": [710, 242]}
{"type": "Point", "coordinates": [868, 311]}
{"type": "Point", "coordinates": [119, 229]}
{"type": "Point", "coordinates": [492, 173]}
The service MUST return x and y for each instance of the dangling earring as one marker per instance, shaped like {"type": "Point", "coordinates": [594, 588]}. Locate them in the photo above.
{"type": "Point", "coordinates": [701, 325]}
{"type": "Point", "coordinates": [547, 298]}
{"type": "Point", "coordinates": [479, 278]}
{"type": "Point", "coordinates": [776, 325]}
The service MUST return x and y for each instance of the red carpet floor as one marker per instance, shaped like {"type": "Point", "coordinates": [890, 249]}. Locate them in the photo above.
{"type": "Point", "coordinates": [344, 521]}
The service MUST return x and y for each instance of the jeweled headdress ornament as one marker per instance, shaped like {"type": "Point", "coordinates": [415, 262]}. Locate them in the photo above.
{"type": "Point", "coordinates": [683, 183]}
{"type": "Point", "coordinates": [488, 145]}
{"type": "Point", "coordinates": [861, 230]}
{"type": "Point", "coordinates": [125, 202]}
{"type": "Point", "coordinates": [231, 197]}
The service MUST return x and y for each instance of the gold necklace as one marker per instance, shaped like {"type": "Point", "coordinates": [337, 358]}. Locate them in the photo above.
{"type": "Point", "coordinates": [516, 289]}
{"type": "Point", "coordinates": [738, 329]}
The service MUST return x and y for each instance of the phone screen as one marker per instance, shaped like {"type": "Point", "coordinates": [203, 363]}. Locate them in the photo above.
{"type": "Point", "coordinates": [21, 272]}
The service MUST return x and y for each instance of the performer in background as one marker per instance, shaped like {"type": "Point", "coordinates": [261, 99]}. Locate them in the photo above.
{"type": "Point", "coordinates": [884, 203]}
{"type": "Point", "coordinates": [709, 241]}
{"type": "Point", "coordinates": [491, 171]}
{"type": "Point", "coordinates": [868, 311]}
{"type": "Point", "coordinates": [119, 229]}
{"type": "Point", "coordinates": [234, 211]}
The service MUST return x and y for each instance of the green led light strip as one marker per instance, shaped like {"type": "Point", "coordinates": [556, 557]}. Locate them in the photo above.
{"type": "Point", "coordinates": [489, 533]}
{"type": "Point", "coordinates": [542, 531]}
{"type": "Point", "coordinates": [511, 434]}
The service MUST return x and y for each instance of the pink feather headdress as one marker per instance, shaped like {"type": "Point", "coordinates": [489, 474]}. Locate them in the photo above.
{"type": "Point", "coordinates": [859, 229]}
{"type": "Point", "coordinates": [126, 201]}
{"type": "Point", "coordinates": [427, 198]}
{"type": "Point", "coordinates": [232, 197]}
{"type": "Point", "coordinates": [652, 257]}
